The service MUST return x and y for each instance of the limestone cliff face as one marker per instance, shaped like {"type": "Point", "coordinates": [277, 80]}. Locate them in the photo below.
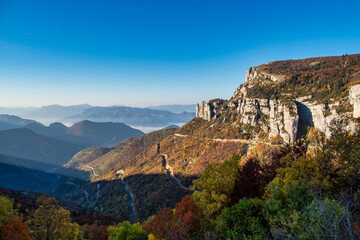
{"type": "Point", "coordinates": [205, 110]}
{"type": "Point", "coordinates": [255, 75]}
{"type": "Point", "coordinates": [354, 95]}
{"type": "Point", "coordinates": [282, 117]}
{"type": "Point", "coordinates": [259, 73]}
{"type": "Point", "coordinates": [279, 118]}
{"type": "Point", "coordinates": [321, 116]}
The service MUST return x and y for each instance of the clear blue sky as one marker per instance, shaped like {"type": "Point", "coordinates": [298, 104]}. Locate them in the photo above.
{"type": "Point", "coordinates": [152, 52]}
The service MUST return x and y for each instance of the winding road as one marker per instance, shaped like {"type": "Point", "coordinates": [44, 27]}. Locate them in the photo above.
{"type": "Point", "coordinates": [75, 185]}
{"type": "Point", "coordinates": [92, 170]}
{"type": "Point", "coordinates": [131, 199]}
{"type": "Point", "coordinates": [86, 196]}
{"type": "Point", "coordinates": [250, 142]}
{"type": "Point", "coordinates": [170, 173]}
{"type": "Point", "coordinates": [96, 195]}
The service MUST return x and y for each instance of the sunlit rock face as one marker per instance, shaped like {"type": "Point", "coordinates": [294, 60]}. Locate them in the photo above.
{"type": "Point", "coordinates": [281, 117]}
{"type": "Point", "coordinates": [354, 95]}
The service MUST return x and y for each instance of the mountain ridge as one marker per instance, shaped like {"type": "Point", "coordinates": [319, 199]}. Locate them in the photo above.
{"type": "Point", "coordinates": [24, 143]}
{"type": "Point", "coordinates": [283, 97]}
{"type": "Point", "coordinates": [87, 133]}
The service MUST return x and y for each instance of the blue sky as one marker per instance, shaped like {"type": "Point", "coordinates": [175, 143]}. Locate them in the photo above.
{"type": "Point", "coordinates": [152, 52]}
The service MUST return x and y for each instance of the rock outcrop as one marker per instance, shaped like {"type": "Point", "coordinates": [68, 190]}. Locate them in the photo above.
{"type": "Point", "coordinates": [354, 95]}
{"type": "Point", "coordinates": [205, 110]}
{"type": "Point", "coordinates": [321, 115]}
{"type": "Point", "coordinates": [258, 73]}
{"type": "Point", "coordinates": [279, 118]}
{"type": "Point", "coordinates": [282, 117]}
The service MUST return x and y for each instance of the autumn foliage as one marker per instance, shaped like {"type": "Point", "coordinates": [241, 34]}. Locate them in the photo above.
{"type": "Point", "coordinates": [14, 229]}
{"type": "Point", "coordinates": [176, 224]}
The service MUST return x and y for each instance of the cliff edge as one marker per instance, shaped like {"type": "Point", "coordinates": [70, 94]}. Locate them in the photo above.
{"type": "Point", "coordinates": [282, 98]}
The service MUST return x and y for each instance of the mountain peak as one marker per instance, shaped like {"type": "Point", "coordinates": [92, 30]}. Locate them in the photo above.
{"type": "Point", "coordinates": [57, 125]}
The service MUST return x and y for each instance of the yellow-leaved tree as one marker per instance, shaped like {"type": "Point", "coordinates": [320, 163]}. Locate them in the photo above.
{"type": "Point", "coordinates": [50, 221]}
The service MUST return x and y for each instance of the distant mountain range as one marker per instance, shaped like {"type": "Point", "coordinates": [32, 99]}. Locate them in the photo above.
{"type": "Point", "coordinates": [87, 133]}
{"type": "Point", "coordinates": [175, 108]}
{"type": "Point", "coordinates": [10, 121]}
{"type": "Point", "coordinates": [54, 113]}
{"type": "Point", "coordinates": [155, 116]}
{"type": "Point", "coordinates": [24, 143]}
{"type": "Point", "coordinates": [46, 148]}
{"type": "Point", "coordinates": [133, 116]}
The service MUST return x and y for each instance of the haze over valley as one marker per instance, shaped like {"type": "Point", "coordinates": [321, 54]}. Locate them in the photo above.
{"type": "Point", "coordinates": [179, 120]}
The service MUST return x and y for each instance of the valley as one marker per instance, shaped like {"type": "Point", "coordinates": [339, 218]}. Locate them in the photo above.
{"type": "Point", "coordinates": [111, 169]}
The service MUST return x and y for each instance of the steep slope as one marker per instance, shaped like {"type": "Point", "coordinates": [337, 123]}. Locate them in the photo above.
{"type": "Point", "coordinates": [103, 160]}
{"type": "Point", "coordinates": [280, 99]}
{"type": "Point", "coordinates": [24, 143]}
{"type": "Point", "coordinates": [87, 155]}
{"type": "Point", "coordinates": [153, 183]}
{"type": "Point", "coordinates": [187, 155]}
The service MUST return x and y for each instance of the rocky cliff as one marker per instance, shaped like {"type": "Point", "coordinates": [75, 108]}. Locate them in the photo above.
{"type": "Point", "coordinates": [281, 97]}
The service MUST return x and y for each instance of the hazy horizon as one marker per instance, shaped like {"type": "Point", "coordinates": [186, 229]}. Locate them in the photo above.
{"type": "Point", "coordinates": [142, 53]}
{"type": "Point", "coordinates": [120, 105]}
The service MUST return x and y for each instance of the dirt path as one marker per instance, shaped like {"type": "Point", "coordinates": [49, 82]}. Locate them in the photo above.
{"type": "Point", "coordinates": [250, 142]}
{"type": "Point", "coordinates": [86, 196]}
{"type": "Point", "coordinates": [131, 199]}
{"type": "Point", "coordinates": [96, 195]}
{"type": "Point", "coordinates": [170, 173]}
{"type": "Point", "coordinates": [92, 170]}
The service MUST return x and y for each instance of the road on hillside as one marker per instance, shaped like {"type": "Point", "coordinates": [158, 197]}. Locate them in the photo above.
{"type": "Point", "coordinates": [131, 199]}
{"type": "Point", "coordinates": [170, 173]}
{"type": "Point", "coordinates": [96, 195]}
{"type": "Point", "coordinates": [253, 141]}
{"type": "Point", "coordinates": [92, 170]}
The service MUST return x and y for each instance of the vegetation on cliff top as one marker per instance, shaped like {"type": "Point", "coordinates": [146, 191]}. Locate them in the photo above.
{"type": "Point", "coordinates": [323, 78]}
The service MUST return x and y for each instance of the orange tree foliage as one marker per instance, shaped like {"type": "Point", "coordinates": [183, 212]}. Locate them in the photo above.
{"type": "Point", "coordinates": [14, 229]}
{"type": "Point", "coordinates": [258, 169]}
{"type": "Point", "coordinates": [176, 224]}
{"type": "Point", "coordinates": [187, 216]}
{"type": "Point", "coordinates": [95, 232]}
{"type": "Point", "coordinates": [12, 226]}
{"type": "Point", "coordinates": [162, 225]}
{"type": "Point", "coordinates": [356, 229]}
